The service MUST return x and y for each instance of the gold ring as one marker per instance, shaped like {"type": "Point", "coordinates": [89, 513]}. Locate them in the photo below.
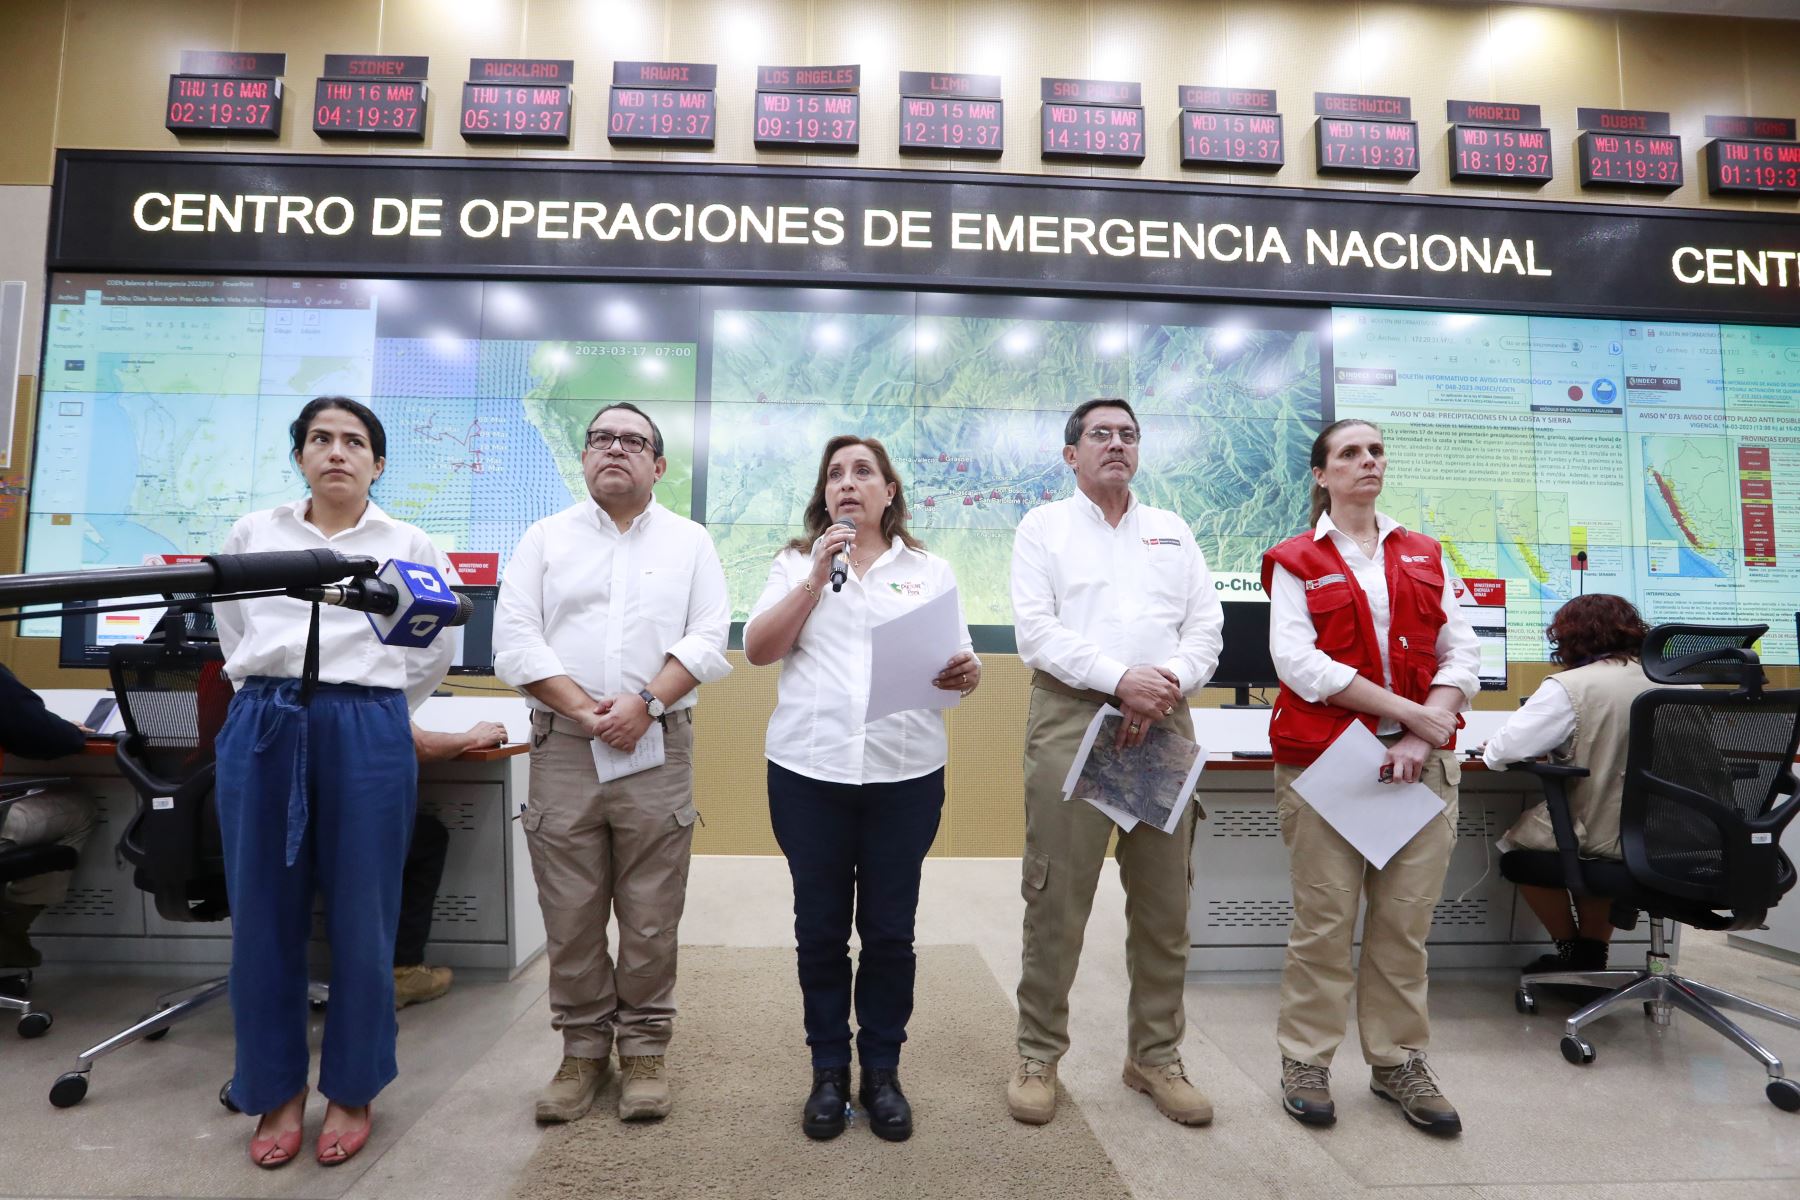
{"type": "Point", "coordinates": [1168, 710]}
{"type": "Point", "coordinates": [1135, 726]}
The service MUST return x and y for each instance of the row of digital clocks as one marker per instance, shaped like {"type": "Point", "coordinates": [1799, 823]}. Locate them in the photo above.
{"type": "Point", "coordinates": [1080, 120]}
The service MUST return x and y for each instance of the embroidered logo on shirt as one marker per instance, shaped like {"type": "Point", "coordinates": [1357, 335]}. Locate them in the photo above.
{"type": "Point", "coordinates": [909, 588]}
{"type": "Point", "coordinates": [1313, 585]}
{"type": "Point", "coordinates": [1162, 541]}
{"type": "Point", "coordinates": [1415, 558]}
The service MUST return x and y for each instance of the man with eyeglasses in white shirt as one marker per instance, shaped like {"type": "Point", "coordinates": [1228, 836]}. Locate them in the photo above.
{"type": "Point", "coordinates": [1112, 604]}
{"type": "Point", "coordinates": [611, 613]}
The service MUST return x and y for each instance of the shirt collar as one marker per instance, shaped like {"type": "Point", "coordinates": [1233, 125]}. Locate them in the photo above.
{"type": "Point", "coordinates": [641, 521]}
{"type": "Point", "coordinates": [295, 511]}
{"type": "Point", "coordinates": [1384, 525]}
{"type": "Point", "coordinates": [1088, 506]}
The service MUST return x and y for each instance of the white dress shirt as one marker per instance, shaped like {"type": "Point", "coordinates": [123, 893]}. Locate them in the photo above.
{"type": "Point", "coordinates": [818, 729]}
{"type": "Point", "coordinates": [1090, 600]}
{"type": "Point", "coordinates": [1315, 675]}
{"type": "Point", "coordinates": [268, 636]}
{"type": "Point", "coordinates": [604, 607]}
{"type": "Point", "coordinates": [1543, 723]}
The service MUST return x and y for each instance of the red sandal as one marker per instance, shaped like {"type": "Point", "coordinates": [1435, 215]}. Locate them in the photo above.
{"type": "Point", "coordinates": [279, 1149]}
{"type": "Point", "coordinates": [334, 1148]}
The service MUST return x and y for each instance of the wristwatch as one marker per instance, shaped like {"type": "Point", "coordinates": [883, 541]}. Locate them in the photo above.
{"type": "Point", "coordinates": [656, 707]}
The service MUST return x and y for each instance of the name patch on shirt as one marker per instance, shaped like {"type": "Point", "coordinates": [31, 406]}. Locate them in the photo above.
{"type": "Point", "coordinates": [1313, 585]}
{"type": "Point", "coordinates": [1162, 541]}
{"type": "Point", "coordinates": [909, 588]}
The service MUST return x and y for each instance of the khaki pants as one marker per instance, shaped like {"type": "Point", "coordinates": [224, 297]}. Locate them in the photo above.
{"type": "Point", "coordinates": [620, 847]}
{"type": "Point", "coordinates": [1065, 846]}
{"type": "Point", "coordinates": [1330, 878]}
{"type": "Point", "coordinates": [62, 817]}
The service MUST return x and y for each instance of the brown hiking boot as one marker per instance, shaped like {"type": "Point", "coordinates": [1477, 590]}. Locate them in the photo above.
{"type": "Point", "coordinates": [1411, 1086]}
{"type": "Point", "coordinates": [1306, 1092]}
{"type": "Point", "coordinates": [645, 1094]}
{"type": "Point", "coordinates": [419, 983]}
{"type": "Point", "coordinates": [1167, 1084]}
{"type": "Point", "coordinates": [571, 1093]}
{"type": "Point", "coordinates": [1031, 1092]}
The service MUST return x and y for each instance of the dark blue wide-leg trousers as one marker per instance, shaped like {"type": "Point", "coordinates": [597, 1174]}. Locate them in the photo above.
{"type": "Point", "coordinates": [312, 800]}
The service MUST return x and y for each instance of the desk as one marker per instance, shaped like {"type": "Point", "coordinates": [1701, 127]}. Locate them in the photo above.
{"type": "Point", "coordinates": [1242, 902]}
{"type": "Point", "coordinates": [486, 915]}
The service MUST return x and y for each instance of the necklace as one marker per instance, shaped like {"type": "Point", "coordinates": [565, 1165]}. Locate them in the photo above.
{"type": "Point", "coordinates": [1367, 544]}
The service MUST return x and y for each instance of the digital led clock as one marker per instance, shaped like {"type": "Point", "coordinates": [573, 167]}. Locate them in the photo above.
{"type": "Point", "coordinates": [248, 104]}
{"type": "Point", "coordinates": [1101, 132]}
{"type": "Point", "coordinates": [1500, 152]}
{"type": "Point", "coordinates": [1633, 160]}
{"type": "Point", "coordinates": [536, 112]}
{"type": "Point", "coordinates": [1368, 147]}
{"type": "Point", "coordinates": [808, 120]}
{"type": "Point", "coordinates": [384, 107]}
{"type": "Point", "coordinates": [933, 124]}
{"type": "Point", "coordinates": [687, 116]}
{"type": "Point", "coordinates": [1735, 165]}
{"type": "Point", "coordinates": [1231, 139]}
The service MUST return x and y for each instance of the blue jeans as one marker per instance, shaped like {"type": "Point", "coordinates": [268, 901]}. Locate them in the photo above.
{"type": "Point", "coordinates": [855, 849]}
{"type": "Point", "coordinates": [314, 799]}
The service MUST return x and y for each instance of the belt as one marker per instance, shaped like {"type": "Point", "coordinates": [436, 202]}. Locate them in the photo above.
{"type": "Point", "coordinates": [1050, 683]}
{"type": "Point", "coordinates": [546, 722]}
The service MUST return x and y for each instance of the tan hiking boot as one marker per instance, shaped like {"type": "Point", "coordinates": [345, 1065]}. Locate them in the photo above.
{"type": "Point", "coordinates": [1411, 1086]}
{"type": "Point", "coordinates": [644, 1095]}
{"type": "Point", "coordinates": [571, 1093]}
{"type": "Point", "coordinates": [1167, 1084]}
{"type": "Point", "coordinates": [1306, 1092]}
{"type": "Point", "coordinates": [419, 983]}
{"type": "Point", "coordinates": [1031, 1092]}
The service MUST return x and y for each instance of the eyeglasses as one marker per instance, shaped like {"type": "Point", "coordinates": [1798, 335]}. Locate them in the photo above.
{"type": "Point", "coordinates": [602, 439]}
{"type": "Point", "coordinates": [1101, 435]}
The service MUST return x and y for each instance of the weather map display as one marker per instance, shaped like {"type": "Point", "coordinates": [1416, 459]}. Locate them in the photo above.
{"type": "Point", "coordinates": [1664, 453]}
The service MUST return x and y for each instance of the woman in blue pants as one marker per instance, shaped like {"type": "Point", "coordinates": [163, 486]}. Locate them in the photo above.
{"type": "Point", "coordinates": [317, 797]}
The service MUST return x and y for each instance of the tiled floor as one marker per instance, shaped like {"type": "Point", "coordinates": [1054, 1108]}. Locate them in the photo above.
{"type": "Point", "coordinates": [1677, 1109]}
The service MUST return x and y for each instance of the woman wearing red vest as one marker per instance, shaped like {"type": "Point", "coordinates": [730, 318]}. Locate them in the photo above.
{"type": "Point", "coordinates": [1363, 626]}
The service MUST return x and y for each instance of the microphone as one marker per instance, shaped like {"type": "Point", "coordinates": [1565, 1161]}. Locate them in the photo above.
{"type": "Point", "coordinates": [407, 604]}
{"type": "Point", "coordinates": [217, 573]}
{"type": "Point", "coordinates": [840, 564]}
{"type": "Point", "coordinates": [1581, 562]}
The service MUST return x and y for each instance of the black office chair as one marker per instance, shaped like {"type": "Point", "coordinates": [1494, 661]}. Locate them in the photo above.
{"type": "Point", "coordinates": [173, 841]}
{"type": "Point", "coordinates": [1709, 787]}
{"type": "Point", "coordinates": [22, 862]}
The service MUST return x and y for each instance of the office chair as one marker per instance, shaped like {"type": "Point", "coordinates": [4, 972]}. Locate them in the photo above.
{"type": "Point", "coordinates": [22, 862]}
{"type": "Point", "coordinates": [1709, 786]}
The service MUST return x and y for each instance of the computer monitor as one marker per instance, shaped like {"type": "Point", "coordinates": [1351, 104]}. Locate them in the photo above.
{"type": "Point", "coordinates": [86, 636]}
{"type": "Point", "coordinates": [1489, 623]}
{"type": "Point", "coordinates": [1244, 663]}
{"type": "Point", "coordinates": [475, 640]}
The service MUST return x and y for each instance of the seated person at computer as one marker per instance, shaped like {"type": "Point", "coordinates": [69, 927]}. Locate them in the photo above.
{"type": "Point", "coordinates": [414, 981]}
{"type": "Point", "coordinates": [317, 796]}
{"type": "Point", "coordinates": [1580, 715]}
{"type": "Point", "coordinates": [63, 815]}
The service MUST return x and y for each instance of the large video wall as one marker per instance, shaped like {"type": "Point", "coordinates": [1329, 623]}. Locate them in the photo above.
{"type": "Point", "coordinates": [1667, 453]}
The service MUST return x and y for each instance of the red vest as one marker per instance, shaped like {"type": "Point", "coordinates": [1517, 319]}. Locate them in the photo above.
{"type": "Point", "coordinates": [1344, 628]}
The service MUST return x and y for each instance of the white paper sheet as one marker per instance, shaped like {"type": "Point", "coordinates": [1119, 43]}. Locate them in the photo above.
{"type": "Point", "coordinates": [1152, 782]}
{"type": "Point", "coordinates": [1344, 786]}
{"type": "Point", "coordinates": [906, 654]}
{"type": "Point", "coordinates": [613, 764]}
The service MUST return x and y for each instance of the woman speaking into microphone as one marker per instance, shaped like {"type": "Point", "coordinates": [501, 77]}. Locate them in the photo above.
{"type": "Point", "coordinates": [1363, 626]}
{"type": "Point", "coordinates": [316, 795]}
{"type": "Point", "coordinates": [854, 805]}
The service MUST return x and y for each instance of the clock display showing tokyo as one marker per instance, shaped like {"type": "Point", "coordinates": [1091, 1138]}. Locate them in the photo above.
{"type": "Point", "coordinates": [1668, 453]}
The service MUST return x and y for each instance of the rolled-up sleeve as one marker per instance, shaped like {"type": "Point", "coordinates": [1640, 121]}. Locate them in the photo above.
{"type": "Point", "coordinates": [1202, 630]}
{"type": "Point", "coordinates": [522, 655]}
{"type": "Point", "coordinates": [1293, 643]}
{"type": "Point", "coordinates": [1458, 650]}
{"type": "Point", "coordinates": [1045, 643]}
{"type": "Point", "coordinates": [701, 648]}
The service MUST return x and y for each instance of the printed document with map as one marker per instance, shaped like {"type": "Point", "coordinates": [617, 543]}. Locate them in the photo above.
{"type": "Point", "coordinates": [1152, 782]}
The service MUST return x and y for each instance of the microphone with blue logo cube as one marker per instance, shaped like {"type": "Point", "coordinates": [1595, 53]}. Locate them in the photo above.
{"type": "Point", "coordinates": [424, 604]}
